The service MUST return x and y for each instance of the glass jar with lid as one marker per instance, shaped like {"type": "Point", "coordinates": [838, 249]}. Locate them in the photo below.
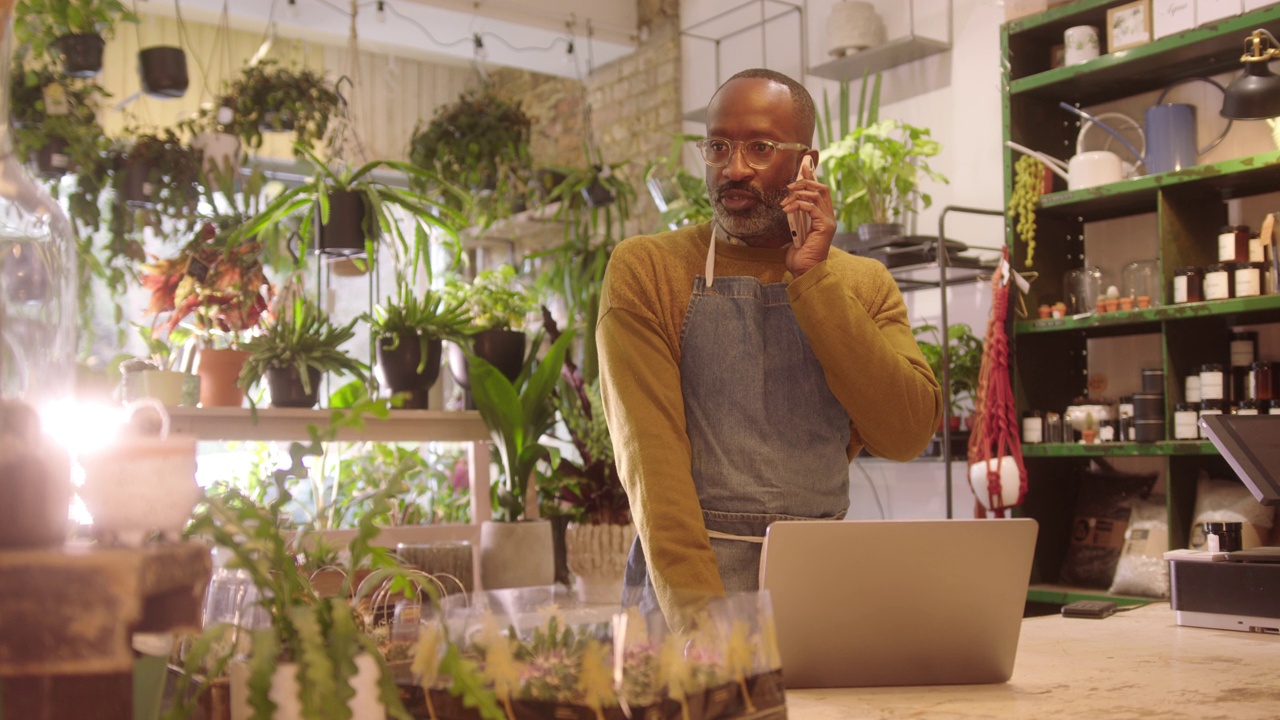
{"type": "Point", "coordinates": [1140, 281]}
{"type": "Point", "coordinates": [1082, 287]}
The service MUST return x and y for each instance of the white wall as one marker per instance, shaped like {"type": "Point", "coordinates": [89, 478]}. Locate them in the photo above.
{"type": "Point", "coordinates": [956, 95]}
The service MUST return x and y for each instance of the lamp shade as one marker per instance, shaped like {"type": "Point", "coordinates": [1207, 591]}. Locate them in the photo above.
{"type": "Point", "coordinates": [1255, 95]}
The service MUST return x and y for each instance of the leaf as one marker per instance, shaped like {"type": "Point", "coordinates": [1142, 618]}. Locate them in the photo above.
{"type": "Point", "coordinates": [468, 684]}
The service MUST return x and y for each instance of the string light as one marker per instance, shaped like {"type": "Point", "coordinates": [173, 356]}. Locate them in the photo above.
{"type": "Point", "coordinates": [293, 10]}
{"type": "Point", "coordinates": [568, 53]}
{"type": "Point", "coordinates": [481, 53]}
{"type": "Point", "coordinates": [381, 15]}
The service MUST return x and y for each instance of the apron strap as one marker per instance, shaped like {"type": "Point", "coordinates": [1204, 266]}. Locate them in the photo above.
{"type": "Point", "coordinates": [710, 271]}
{"type": "Point", "coordinates": [740, 538]}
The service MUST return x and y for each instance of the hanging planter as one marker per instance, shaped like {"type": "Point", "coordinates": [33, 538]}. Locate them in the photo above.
{"type": "Point", "coordinates": [163, 71]}
{"type": "Point", "coordinates": [137, 188]}
{"type": "Point", "coordinates": [277, 122]}
{"type": "Point", "coordinates": [52, 160]}
{"type": "Point", "coordinates": [81, 54]}
{"type": "Point", "coordinates": [345, 233]}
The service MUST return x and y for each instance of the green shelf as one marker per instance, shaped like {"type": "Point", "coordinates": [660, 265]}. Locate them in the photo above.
{"type": "Point", "coordinates": [1063, 594]}
{"type": "Point", "coordinates": [1131, 321]}
{"type": "Point", "coordinates": [1206, 50]}
{"type": "Point", "coordinates": [1119, 449]}
{"type": "Point", "coordinates": [1237, 177]}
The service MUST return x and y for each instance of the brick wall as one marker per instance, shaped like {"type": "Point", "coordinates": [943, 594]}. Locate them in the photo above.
{"type": "Point", "coordinates": [634, 106]}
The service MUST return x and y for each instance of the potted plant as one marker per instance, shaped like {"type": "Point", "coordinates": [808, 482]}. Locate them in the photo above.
{"type": "Point", "coordinates": [518, 413]}
{"type": "Point", "coordinates": [681, 196]}
{"type": "Point", "coordinates": [55, 122]}
{"type": "Point", "coordinates": [409, 332]}
{"type": "Point", "coordinates": [269, 97]}
{"type": "Point", "coordinates": [159, 171]}
{"type": "Point", "coordinates": [214, 141]}
{"type": "Point", "coordinates": [586, 486]}
{"type": "Point", "coordinates": [850, 198]}
{"type": "Point", "coordinates": [497, 306]}
{"type": "Point", "coordinates": [479, 142]}
{"type": "Point", "coordinates": [887, 161]}
{"type": "Point", "coordinates": [294, 349]}
{"type": "Point", "coordinates": [343, 212]}
{"type": "Point", "coordinates": [964, 351]}
{"type": "Point", "coordinates": [76, 29]}
{"type": "Point", "coordinates": [162, 71]}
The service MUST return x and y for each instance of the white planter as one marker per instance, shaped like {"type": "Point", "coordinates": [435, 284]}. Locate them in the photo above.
{"type": "Point", "coordinates": [516, 554]}
{"type": "Point", "coordinates": [1010, 484]}
{"type": "Point", "coordinates": [137, 486]}
{"type": "Point", "coordinates": [854, 26]}
{"type": "Point", "coordinates": [284, 691]}
{"type": "Point", "coordinates": [597, 557]}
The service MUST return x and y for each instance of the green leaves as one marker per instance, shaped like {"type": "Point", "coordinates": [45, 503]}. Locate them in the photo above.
{"type": "Point", "coordinates": [518, 415]}
{"type": "Point", "coordinates": [883, 162]}
{"type": "Point", "coordinates": [304, 338]}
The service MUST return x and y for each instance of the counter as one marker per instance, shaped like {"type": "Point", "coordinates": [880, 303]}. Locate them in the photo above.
{"type": "Point", "coordinates": [1134, 664]}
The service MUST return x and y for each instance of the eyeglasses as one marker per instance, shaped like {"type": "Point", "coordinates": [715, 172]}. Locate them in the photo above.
{"type": "Point", "coordinates": [759, 154]}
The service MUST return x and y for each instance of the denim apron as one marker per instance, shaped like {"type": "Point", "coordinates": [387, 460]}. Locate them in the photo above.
{"type": "Point", "coordinates": [768, 438]}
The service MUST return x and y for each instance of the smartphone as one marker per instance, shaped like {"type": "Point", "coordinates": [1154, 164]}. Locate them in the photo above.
{"type": "Point", "coordinates": [799, 221]}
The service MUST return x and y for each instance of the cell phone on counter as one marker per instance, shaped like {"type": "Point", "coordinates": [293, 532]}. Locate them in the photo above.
{"type": "Point", "coordinates": [798, 220]}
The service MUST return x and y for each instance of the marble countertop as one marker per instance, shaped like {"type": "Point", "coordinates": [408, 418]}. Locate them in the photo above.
{"type": "Point", "coordinates": [1135, 664]}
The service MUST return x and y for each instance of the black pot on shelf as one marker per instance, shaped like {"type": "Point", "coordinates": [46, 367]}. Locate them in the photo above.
{"type": "Point", "coordinates": [344, 234]}
{"type": "Point", "coordinates": [163, 71]}
{"type": "Point", "coordinates": [138, 189]}
{"type": "Point", "coordinates": [51, 161]}
{"type": "Point", "coordinates": [285, 385]}
{"type": "Point", "coordinates": [398, 366]}
{"type": "Point", "coordinates": [504, 349]}
{"type": "Point", "coordinates": [81, 55]}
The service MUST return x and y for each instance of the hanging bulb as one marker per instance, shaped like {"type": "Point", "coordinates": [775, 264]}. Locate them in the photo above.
{"type": "Point", "coordinates": [293, 10]}
{"type": "Point", "coordinates": [568, 54]}
{"type": "Point", "coordinates": [481, 53]}
{"type": "Point", "coordinates": [381, 14]}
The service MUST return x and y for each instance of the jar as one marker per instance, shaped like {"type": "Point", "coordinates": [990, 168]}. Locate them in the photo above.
{"type": "Point", "coordinates": [1255, 249]}
{"type": "Point", "coordinates": [1248, 407]}
{"type": "Point", "coordinates": [1082, 287]}
{"type": "Point", "coordinates": [1188, 284]}
{"type": "Point", "coordinates": [1153, 380]}
{"type": "Point", "coordinates": [1244, 348]}
{"type": "Point", "coordinates": [1262, 380]}
{"type": "Point", "coordinates": [1273, 407]}
{"type": "Point", "coordinates": [1125, 409]}
{"type": "Point", "coordinates": [1184, 422]}
{"type": "Point", "coordinates": [1148, 430]}
{"type": "Point", "coordinates": [1053, 431]}
{"type": "Point", "coordinates": [1033, 427]}
{"type": "Point", "coordinates": [1211, 387]}
{"type": "Point", "coordinates": [1148, 406]}
{"type": "Point", "coordinates": [1211, 407]}
{"type": "Point", "coordinates": [1233, 243]}
{"type": "Point", "coordinates": [1219, 281]}
{"type": "Point", "coordinates": [1140, 281]}
{"type": "Point", "coordinates": [1249, 278]}
{"type": "Point", "coordinates": [1191, 388]}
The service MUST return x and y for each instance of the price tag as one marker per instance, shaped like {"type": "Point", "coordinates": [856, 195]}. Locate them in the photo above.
{"type": "Point", "coordinates": [55, 99]}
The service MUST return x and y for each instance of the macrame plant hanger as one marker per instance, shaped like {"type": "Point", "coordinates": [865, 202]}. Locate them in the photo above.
{"type": "Point", "coordinates": [995, 449]}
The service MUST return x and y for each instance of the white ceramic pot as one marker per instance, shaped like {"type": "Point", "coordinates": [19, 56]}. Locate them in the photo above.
{"type": "Point", "coordinates": [854, 26]}
{"type": "Point", "coordinates": [284, 691]}
{"type": "Point", "coordinates": [516, 554]}
{"type": "Point", "coordinates": [1077, 415]}
{"type": "Point", "coordinates": [1010, 488]}
{"type": "Point", "coordinates": [137, 486]}
{"type": "Point", "coordinates": [597, 557]}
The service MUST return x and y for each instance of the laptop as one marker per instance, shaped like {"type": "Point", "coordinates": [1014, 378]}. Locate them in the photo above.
{"type": "Point", "coordinates": [1251, 444]}
{"type": "Point", "coordinates": [897, 602]}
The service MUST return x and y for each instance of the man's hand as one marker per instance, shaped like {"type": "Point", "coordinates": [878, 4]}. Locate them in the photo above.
{"type": "Point", "coordinates": [811, 197]}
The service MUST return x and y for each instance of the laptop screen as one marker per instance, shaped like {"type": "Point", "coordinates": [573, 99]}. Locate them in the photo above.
{"type": "Point", "coordinates": [1251, 443]}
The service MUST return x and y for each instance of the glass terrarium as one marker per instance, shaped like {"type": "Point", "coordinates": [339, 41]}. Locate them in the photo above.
{"type": "Point", "coordinates": [1141, 281]}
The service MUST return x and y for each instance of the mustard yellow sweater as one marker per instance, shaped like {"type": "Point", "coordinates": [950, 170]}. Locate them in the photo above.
{"type": "Point", "coordinates": [854, 318]}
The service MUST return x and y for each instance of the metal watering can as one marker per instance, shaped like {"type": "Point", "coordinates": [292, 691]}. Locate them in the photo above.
{"type": "Point", "coordinates": [1170, 132]}
{"type": "Point", "coordinates": [1088, 168]}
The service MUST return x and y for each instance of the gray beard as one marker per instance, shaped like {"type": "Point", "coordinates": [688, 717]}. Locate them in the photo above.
{"type": "Point", "coordinates": [764, 221]}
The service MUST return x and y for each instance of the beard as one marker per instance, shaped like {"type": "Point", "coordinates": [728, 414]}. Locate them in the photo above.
{"type": "Point", "coordinates": [762, 221]}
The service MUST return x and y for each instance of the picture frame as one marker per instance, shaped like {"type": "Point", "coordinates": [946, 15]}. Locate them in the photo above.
{"type": "Point", "coordinates": [1128, 25]}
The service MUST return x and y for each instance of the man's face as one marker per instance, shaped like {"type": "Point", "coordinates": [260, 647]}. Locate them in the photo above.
{"type": "Point", "coordinates": [746, 201]}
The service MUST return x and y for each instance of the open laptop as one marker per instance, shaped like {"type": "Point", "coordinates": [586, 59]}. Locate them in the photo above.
{"type": "Point", "coordinates": [897, 602]}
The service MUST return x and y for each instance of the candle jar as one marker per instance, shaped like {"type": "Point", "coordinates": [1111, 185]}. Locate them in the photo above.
{"type": "Point", "coordinates": [1053, 428]}
{"type": "Point", "coordinates": [1219, 281]}
{"type": "Point", "coordinates": [1262, 380]}
{"type": "Point", "coordinates": [1191, 388]}
{"type": "Point", "coordinates": [1211, 382]}
{"type": "Point", "coordinates": [1249, 277]}
{"type": "Point", "coordinates": [1188, 284]}
{"type": "Point", "coordinates": [1184, 422]}
{"type": "Point", "coordinates": [1233, 243]}
{"type": "Point", "coordinates": [1210, 407]}
{"type": "Point", "coordinates": [1248, 407]}
{"type": "Point", "coordinates": [1244, 348]}
{"type": "Point", "coordinates": [1032, 427]}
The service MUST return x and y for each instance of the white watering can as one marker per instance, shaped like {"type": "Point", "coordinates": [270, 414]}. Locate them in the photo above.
{"type": "Point", "coordinates": [1088, 168]}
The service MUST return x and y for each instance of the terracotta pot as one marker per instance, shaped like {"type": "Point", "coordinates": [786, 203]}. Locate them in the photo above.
{"type": "Point", "coordinates": [218, 371]}
{"type": "Point", "coordinates": [286, 388]}
{"type": "Point", "coordinates": [398, 367]}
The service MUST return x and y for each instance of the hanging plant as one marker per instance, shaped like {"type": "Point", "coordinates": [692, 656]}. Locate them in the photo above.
{"type": "Point", "coordinates": [271, 98]}
{"type": "Point", "coordinates": [479, 142]}
{"type": "Point", "coordinates": [1028, 184]}
{"type": "Point", "coordinates": [77, 29]}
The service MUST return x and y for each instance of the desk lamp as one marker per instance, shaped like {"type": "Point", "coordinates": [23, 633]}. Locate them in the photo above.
{"type": "Point", "coordinates": [1255, 95]}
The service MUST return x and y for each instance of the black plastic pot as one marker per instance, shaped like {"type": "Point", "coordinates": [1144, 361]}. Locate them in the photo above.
{"type": "Point", "coordinates": [276, 122]}
{"type": "Point", "coordinates": [286, 389]}
{"type": "Point", "coordinates": [504, 349]}
{"type": "Point", "coordinates": [399, 368]}
{"type": "Point", "coordinates": [344, 234]}
{"type": "Point", "coordinates": [81, 55]}
{"type": "Point", "coordinates": [137, 188]}
{"type": "Point", "coordinates": [163, 71]}
{"type": "Point", "coordinates": [51, 161]}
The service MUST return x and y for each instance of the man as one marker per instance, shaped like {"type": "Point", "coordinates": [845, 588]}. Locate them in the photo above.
{"type": "Point", "coordinates": [740, 373]}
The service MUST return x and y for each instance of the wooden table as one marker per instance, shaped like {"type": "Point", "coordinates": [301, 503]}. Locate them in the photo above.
{"type": "Point", "coordinates": [1135, 664]}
